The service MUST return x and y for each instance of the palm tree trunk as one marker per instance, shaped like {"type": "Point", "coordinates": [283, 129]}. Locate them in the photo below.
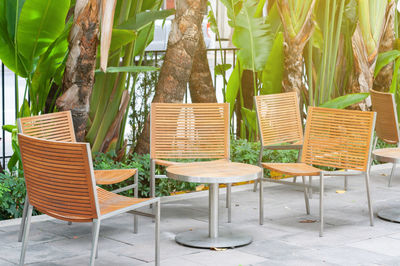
{"type": "Point", "coordinates": [81, 63]}
{"type": "Point", "coordinates": [176, 69]}
{"type": "Point", "coordinates": [293, 46]}
{"type": "Point", "coordinates": [200, 82]}
{"type": "Point", "coordinates": [383, 80]}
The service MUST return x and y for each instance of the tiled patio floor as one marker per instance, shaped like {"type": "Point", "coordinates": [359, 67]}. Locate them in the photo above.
{"type": "Point", "coordinates": [282, 240]}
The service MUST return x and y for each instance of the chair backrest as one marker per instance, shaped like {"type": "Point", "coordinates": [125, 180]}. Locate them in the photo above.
{"type": "Point", "coordinates": [338, 138]}
{"type": "Point", "coordinates": [384, 105]}
{"type": "Point", "coordinates": [279, 118]}
{"type": "Point", "coordinates": [189, 131]}
{"type": "Point", "coordinates": [54, 126]}
{"type": "Point", "coordinates": [59, 178]}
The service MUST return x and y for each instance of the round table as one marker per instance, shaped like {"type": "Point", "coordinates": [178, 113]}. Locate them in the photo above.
{"type": "Point", "coordinates": [214, 173]}
{"type": "Point", "coordinates": [388, 155]}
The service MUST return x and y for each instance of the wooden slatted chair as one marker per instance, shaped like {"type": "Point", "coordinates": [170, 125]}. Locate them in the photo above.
{"type": "Point", "coordinates": [340, 139]}
{"type": "Point", "coordinates": [280, 128]}
{"type": "Point", "coordinates": [59, 127]}
{"type": "Point", "coordinates": [279, 123]}
{"type": "Point", "coordinates": [60, 182]}
{"type": "Point", "coordinates": [387, 129]}
{"type": "Point", "coordinates": [188, 131]}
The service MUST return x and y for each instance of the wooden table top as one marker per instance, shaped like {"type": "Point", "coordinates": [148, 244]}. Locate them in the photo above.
{"type": "Point", "coordinates": [214, 172]}
{"type": "Point", "coordinates": [387, 155]}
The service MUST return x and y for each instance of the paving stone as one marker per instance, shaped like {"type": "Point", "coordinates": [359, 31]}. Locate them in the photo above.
{"type": "Point", "coordinates": [282, 240]}
{"type": "Point", "coordinates": [383, 245]}
{"type": "Point", "coordinates": [345, 255]}
{"type": "Point", "coordinates": [228, 257]}
{"type": "Point", "coordinates": [105, 259]}
{"type": "Point", "coordinates": [175, 261]}
{"type": "Point", "coordinates": [6, 263]}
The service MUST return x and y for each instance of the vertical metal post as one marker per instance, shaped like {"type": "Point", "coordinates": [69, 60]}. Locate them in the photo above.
{"type": "Point", "coordinates": [215, 64]}
{"type": "Point", "coordinates": [213, 210]}
{"type": "Point", "coordinates": [3, 116]}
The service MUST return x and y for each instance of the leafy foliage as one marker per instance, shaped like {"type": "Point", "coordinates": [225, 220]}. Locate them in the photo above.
{"type": "Point", "coordinates": [12, 194]}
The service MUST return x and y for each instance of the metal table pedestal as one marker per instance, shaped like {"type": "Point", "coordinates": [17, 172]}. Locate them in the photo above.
{"type": "Point", "coordinates": [391, 215]}
{"type": "Point", "coordinates": [214, 238]}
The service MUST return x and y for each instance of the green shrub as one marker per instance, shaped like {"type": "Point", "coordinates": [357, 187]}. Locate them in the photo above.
{"type": "Point", "coordinates": [164, 186]}
{"type": "Point", "coordinates": [12, 194]}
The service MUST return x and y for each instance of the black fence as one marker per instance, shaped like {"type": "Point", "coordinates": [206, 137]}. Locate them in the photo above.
{"type": "Point", "coordinates": [10, 94]}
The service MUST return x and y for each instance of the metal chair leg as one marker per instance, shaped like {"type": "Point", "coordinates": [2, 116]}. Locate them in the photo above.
{"type": "Point", "coordinates": [261, 205]}
{"type": "Point", "coordinates": [310, 190]}
{"type": "Point", "coordinates": [22, 226]}
{"type": "Point", "coordinates": [152, 179]}
{"type": "Point", "coordinates": [391, 175]}
{"type": "Point", "coordinates": [371, 214]}
{"type": "Point", "coordinates": [321, 204]}
{"type": "Point", "coordinates": [136, 195]}
{"type": "Point", "coordinates": [95, 240]}
{"type": "Point", "coordinates": [26, 234]}
{"type": "Point", "coordinates": [229, 201]}
{"type": "Point", "coordinates": [255, 185]}
{"type": "Point", "coordinates": [306, 195]}
{"type": "Point", "coordinates": [157, 235]}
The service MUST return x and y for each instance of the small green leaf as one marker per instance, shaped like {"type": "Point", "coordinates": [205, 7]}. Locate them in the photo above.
{"type": "Point", "coordinates": [345, 101]}
{"type": "Point", "coordinates": [9, 128]}
{"type": "Point", "coordinates": [220, 69]}
{"type": "Point", "coordinates": [384, 59]}
{"type": "Point", "coordinates": [143, 19]}
{"type": "Point", "coordinates": [121, 38]}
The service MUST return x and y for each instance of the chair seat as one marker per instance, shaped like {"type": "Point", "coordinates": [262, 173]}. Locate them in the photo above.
{"type": "Point", "coordinates": [296, 169]}
{"type": "Point", "coordinates": [388, 155]}
{"type": "Point", "coordinates": [110, 202]}
{"type": "Point", "coordinates": [108, 177]}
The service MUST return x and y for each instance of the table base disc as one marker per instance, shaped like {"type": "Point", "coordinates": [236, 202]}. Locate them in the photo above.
{"type": "Point", "coordinates": [226, 239]}
{"type": "Point", "coordinates": [391, 215]}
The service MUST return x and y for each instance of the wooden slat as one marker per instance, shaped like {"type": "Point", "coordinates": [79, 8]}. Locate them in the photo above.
{"type": "Point", "coordinates": [338, 138]}
{"type": "Point", "coordinates": [189, 131]}
{"type": "Point", "coordinates": [279, 118]}
{"type": "Point", "coordinates": [47, 165]}
{"type": "Point", "coordinates": [54, 126]}
{"type": "Point", "coordinates": [386, 121]}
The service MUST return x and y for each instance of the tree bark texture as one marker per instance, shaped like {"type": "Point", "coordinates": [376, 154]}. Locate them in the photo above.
{"type": "Point", "coordinates": [80, 66]}
{"type": "Point", "coordinates": [200, 82]}
{"type": "Point", "coordinates": [176, 69]}
{"type": "Point", "coordinates": [383, 80]}
{"type": "Point", "coordinates": [293, 49]}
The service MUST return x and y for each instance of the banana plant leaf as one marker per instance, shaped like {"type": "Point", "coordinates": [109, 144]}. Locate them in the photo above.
{"type": "Point", "coordinates": [345, 101]}
{"type": "Point", "coordinates": [40, 24]}
{"type": "Point", "coordinates": [252, 36]}
{"type": "Point", "coordinates": [143, 19]}
{"type": "Point", "coordinates": [272, 74]}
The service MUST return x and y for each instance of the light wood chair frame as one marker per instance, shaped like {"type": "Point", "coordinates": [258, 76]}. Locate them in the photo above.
{"type": "Point", "coordinates": [381, 129]}
{"type": "Point", "coordinates": [96, 221]}
{"type": "Point", "coordinates": [65, 132]}
{"type": "Point", "coordinates": [321, 173]}
{"type": "Point", "coordinates": [157, 160]}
